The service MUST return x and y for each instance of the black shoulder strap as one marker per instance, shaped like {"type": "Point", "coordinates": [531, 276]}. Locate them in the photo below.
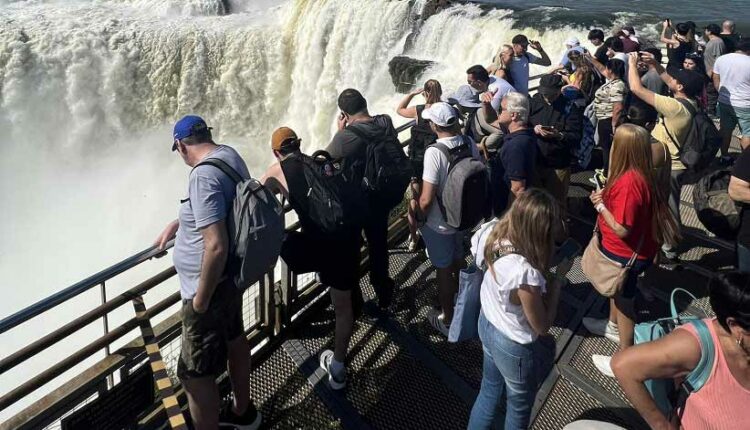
{"type": "Point", "coordinates": [454, 155]}
{"type": "Point", "coordinates": [690, 109]}
{"type": "Point", "coordinates": [420, 109]}
{"type": "Point", "coordinates": [223, 166]}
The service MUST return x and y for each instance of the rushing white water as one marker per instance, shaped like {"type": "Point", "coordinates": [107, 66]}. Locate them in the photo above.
{"type": "Point", "coordinates": [88, 90]}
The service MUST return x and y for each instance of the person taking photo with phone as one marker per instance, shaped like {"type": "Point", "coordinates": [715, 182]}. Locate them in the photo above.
{"type": "Point", "coordinates": [634, 220]}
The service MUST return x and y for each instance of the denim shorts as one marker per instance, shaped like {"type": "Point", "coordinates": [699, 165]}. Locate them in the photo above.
{"type": "Point", "coordinates": [730, 117]}
{"type": "Point", "coordinates": [205, 336]}
{"type": "Point", "coordinates": [630, 287]}
{"type": "Point", "coordinates": [443, 249]}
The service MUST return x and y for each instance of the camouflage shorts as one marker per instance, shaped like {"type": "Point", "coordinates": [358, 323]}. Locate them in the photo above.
{"type": "Point", "coordinates": [205, 336]}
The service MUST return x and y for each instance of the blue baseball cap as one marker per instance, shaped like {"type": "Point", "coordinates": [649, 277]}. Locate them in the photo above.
{"type": "Point", "coordinates": [187, 126]}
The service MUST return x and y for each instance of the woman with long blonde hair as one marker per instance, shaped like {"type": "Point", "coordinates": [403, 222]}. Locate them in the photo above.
{"type": "Point", "coordinates": [518, 306]}
{"type": "Point", "coordinates": [634, 220]}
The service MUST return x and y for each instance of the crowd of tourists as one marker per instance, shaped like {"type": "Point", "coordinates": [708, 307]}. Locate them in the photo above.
{"type": "Point", "coordinates": [492, 163]}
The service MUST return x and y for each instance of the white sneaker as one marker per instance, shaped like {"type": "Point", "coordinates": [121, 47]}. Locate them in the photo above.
{"type": "Point", "coordinates": [436, 318]}
{"type": "Point", "coordinates": [336, 382]}
{"type": "Point", "coordinates": [602, 327]}
{"type": "Point", "coordinates": [603, 364]}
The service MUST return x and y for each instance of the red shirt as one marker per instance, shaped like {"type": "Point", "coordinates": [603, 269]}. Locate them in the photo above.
{"type": "Point", "coordinates": [629, 201]}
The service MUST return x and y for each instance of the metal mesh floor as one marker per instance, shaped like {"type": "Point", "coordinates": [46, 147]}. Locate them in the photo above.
{"type": "Point", "coordinates": [392, 385]}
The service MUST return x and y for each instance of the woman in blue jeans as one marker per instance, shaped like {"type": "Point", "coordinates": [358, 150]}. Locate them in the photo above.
{"type": "Point", "coordinates": [518, 305]}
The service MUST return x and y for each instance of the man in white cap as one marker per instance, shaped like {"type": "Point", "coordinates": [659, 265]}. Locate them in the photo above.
{"type": "Point", "coordinates": [571, 44]}
{"type": "Point", "coordinates": [444, 243]}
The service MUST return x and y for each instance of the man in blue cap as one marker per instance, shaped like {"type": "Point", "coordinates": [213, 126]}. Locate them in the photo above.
{"type": "Point", "coordinates": [212, 328]}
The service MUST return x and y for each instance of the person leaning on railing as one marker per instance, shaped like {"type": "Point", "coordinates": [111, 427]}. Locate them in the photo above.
{"type": "Point", "coordinates": [723, 402]}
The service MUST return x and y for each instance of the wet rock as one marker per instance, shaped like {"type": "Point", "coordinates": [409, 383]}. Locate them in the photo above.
{"type": "Point", "coordinates": [405, 71]}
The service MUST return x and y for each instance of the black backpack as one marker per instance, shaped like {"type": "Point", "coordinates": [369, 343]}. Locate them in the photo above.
{"type": "Point", "coordinates": [715, 209]}
{"type": "Point", "coordinates": [421, 137]}
{"type": "Point", "coordinates": [387, 171]}
{"type": "Point", "coordinates": [702, 141]}
{"type": "Point", "coordinates": [335, 201]}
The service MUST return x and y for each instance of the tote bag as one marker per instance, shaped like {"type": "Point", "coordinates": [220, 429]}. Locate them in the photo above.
{"type": "Point", "coordinates": [466, 311]}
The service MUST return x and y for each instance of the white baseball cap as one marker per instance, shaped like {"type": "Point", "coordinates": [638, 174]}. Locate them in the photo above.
{"type": "Point", "coordinates": [572, 41]}
{"type": "Point", "coordinates": [441, 114]}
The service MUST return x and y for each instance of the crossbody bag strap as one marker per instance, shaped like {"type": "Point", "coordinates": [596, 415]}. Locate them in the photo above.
{"type": "Point", "coordinates": [634, 257]}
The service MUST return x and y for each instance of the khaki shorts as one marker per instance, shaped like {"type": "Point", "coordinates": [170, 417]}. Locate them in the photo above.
{"type": "Point", "coordinates": [205, 336]}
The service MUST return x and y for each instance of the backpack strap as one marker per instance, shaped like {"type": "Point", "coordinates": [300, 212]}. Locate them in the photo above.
{"type": "Point", "coordinates": [223, 166]}
{"type": "Point", "coordinates": [456, 154]}
{"type": "Point", "coordinates": [359, 133]}
{"type": "Point", "coordinates": [690, 109]}
{"type": "Point", "coordinates": [697, 378]}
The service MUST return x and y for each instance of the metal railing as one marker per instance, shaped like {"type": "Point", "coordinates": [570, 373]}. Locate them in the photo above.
{"type": "Point", "coordinates": [278, 303]}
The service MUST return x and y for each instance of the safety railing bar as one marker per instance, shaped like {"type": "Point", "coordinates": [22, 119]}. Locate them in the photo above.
{"type": "Point", "coordinates": [87, 351]}
{"type": "Point", "coordinates": [74, 290]}
{"type": "Point", "coordinates": [41, 344]}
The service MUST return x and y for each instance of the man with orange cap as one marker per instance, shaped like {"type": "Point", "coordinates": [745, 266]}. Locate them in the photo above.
{"type": "Point", "coordinates": [335, 257]}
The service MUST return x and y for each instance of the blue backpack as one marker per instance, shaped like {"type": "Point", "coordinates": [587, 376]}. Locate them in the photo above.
{"type": "Point", "coordinates": [667, 397]}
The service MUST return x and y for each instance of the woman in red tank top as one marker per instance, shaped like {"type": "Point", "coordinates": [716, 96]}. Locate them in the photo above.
{"type": "Point", "coordinates": [723, 403]}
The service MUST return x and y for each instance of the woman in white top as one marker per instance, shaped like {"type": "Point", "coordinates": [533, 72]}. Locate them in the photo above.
{"type": "Point", "coordinates": [518, 305]}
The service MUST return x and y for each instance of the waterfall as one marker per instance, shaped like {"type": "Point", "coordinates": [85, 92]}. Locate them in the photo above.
{"type": "Point", "coordinates": [89, 90]}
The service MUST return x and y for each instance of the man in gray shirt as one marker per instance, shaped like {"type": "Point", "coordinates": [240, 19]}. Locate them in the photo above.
{"type": "Point", "coordinates": [651, 79]}
{"type": "Point", "coordinates": [715, 48]}
{"type": "Point", "coordinates": [213, 333]}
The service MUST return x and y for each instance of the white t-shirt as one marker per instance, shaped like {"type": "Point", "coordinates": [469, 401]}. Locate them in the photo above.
{"type": "Point", "coordinates": [501, 87]}
{"type": "Point", "coordinates": [519, 70]}
{"type": "Point", "coordinates": [734, 72]}
{"type": "Point", "coordinates": [436, 173]}
{"type": "Point", "coordinates": [510, 272]}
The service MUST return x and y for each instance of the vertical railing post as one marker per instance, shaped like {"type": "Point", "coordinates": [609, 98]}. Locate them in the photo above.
{"type": "Point", "coordinates": [105, 322]}
{"type": "Point", "coordinates": [267, 315]}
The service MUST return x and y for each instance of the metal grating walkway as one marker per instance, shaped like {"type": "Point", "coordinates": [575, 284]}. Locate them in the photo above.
{"type": "Point", "coordinates": [402, 375]}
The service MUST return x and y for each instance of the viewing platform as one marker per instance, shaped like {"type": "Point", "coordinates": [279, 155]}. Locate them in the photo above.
{"type": "Point", "coordinates": [402, 373]}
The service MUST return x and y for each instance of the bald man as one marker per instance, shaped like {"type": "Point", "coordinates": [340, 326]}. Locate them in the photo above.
{"type": "Point", "coordinates": [729, 36]}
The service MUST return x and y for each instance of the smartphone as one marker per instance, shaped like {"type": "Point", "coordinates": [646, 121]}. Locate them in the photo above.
{"type": "Point", "coordinates": [599, 183]}
{"type": "Point", "coordinates": [569, 249]}
{"type": "Point", "coordinates": [548, 127]}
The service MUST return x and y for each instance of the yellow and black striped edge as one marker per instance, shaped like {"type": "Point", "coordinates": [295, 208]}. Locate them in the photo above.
{"type": "Point", "coordinates": [163, 383]}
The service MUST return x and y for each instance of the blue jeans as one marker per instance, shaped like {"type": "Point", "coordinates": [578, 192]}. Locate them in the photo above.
{"type": "Point", "coordinates": [509, 368]}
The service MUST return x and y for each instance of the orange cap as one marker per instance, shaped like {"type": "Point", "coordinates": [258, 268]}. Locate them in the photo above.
{"type": "Point", "coordinates": [281, 137]}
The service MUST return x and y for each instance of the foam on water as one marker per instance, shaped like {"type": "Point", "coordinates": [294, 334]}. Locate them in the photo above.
{"type": "Point", "coordinates": [88, 90]}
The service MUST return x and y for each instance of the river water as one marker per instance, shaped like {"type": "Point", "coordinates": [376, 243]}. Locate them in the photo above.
{"type": "Point", "coordinates": [89, 88]}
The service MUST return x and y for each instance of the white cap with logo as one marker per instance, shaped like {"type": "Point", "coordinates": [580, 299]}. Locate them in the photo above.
{"type": "Point", "coordinates": [441, 114]}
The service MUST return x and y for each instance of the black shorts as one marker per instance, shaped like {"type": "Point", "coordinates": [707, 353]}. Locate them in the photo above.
{"type": "Point", "coordinates": [336, 258]}
{"type": "Point", "coordinates": [205, 336]}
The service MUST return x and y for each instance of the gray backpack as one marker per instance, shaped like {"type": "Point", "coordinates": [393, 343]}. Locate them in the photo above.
{"type": "Point", "coordinates": [256, 228]}
{"type": "Point", "coordinates": [465, 200]}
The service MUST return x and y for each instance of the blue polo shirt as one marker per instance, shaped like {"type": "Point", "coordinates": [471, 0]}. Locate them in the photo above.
{"type": "Point", "coordinates": [514, 162]}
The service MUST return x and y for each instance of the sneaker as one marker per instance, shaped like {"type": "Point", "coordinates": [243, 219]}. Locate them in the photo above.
{"type": "Point", "coordinates": [337, 382]}
{"type": "Point", "coordinates": [436, 318]}
{"type": "Point", "coordinates": [250, 420]}
{"type": "Point", "coordinates": [602, 327]}
{"type": "Point", "coordinates": [603, 364]}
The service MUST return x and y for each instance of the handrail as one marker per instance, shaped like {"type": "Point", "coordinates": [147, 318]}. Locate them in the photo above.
{"type": "Point", "coordinates": [42, 343]}
{"type": "Point", "coordinates": [62, 296]}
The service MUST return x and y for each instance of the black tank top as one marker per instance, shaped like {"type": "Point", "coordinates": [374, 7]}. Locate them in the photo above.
{"type": "Point", "coordinates": [298, 188]}
{"type": "Point", "coordinates": [677, 55]}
